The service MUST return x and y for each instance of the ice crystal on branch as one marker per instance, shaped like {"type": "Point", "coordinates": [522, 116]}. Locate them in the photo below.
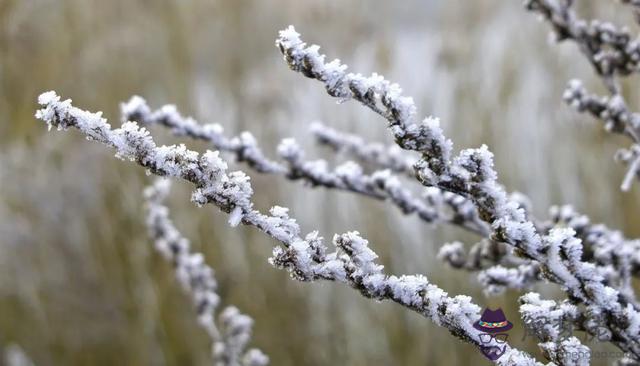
{"type": "Point", "coordinates": [613, 53]}
{"type": "Point", "coordinates": [471, 175]}
{"type": "Point", "coordinates": [352, 263]}
{"type": "Point", "coordinates": [591, 263]}
{"type": "Point", "coordinates": [232, 332]}
{"type": "Point", "coordinates": [435, 205]}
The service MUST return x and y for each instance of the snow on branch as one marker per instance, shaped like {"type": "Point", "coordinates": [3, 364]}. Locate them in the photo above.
{"type": "Point", "coordinates": [197, 279]}
{"type": "Point", "coordinates": [382, 184]}
{"type": "Point", "coordinates": [551, 322]}
{"type": "Point", "coordinates": [614, 53]}
{"type": "Point", "coordinates": [497, 266]}
{"type": "Point", "coordinates": [244, 146]}
{"type": "Point", "coordinates": [609, 49]}
{"type": "Point", "coordinates": [615, 258]}
{"type": "Point", "coordinates": [630, 157]}
{"type": "Point", "coordinates": [471, 175]}
{"type": "Point", "coordinates": [481, 255]}
{"type": "Point", "coordinates": [306, 258]}
{"type": "Point", "coordinates": [613, 110]}
{"type": "Point", "coordinates": [376, 154]}
{"type": "Point", "coordinates": [462, 211]}
{"type": "Point", "coordinates": [607, 248]}
{"type": "Point", "coordinates": [617, 117]}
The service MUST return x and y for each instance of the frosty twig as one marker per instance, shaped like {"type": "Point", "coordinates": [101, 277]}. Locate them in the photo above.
{"type": "Point", "coordinates": [471, 175]}
{"type": "Point", "coordinates": [382, 184]}
{"type": "Point", "coordinates": [232, 331]}
{"type": "Point", "coordinates": [305, 257]}
{"type": "Point", "coordinates": [613, 53]}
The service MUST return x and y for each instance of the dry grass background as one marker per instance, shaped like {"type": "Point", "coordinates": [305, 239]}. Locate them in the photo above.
{"type": "Point", "coordinates": [79, 282]}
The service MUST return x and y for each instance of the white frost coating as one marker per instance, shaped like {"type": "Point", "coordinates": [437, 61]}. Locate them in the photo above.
{"type": "Point", "coordinates": [352, 263]}
{"type": "Point", "coordinates": [497, 266]}
{"type": "Point", "coordinates": [546, 317]}
{"type": "Point", "coordinates": [568, 352]}
{"type": "Point", "coordinates": [379, 185]}
{"type": "Point", "coordinates": [497, 279]}
{"type": "Point", "coordinates": [197, 279]}
{"type": "Point", "coordinates": [374, 91]}
{"type": "Point", "coordinates": [553, 323]}
{"type": "Point", "coordinates": [471, 174]}
{"type": "Point", "coordinates": [380, 155]}
{"type": "Point", "coordinates": [235, 217]}
{"type": "Point", "coordinates": [630, 157]}
{"type": "Point", "coordinates": [452, 253]}
{"type": "Point", "coordinates": [47, 97]}
{"type": "Point", "coordinates": [236, 334]}
{"type": "Point", "coordinates": [616, 257]}
{"type": "Point", "coordinates": [614, 53]}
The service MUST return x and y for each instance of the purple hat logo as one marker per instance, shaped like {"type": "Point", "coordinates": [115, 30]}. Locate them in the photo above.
{"type": "Point", "coordinates": [494, 326]}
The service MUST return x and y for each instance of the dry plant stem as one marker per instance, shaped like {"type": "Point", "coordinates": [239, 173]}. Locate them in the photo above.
{"type": "Point", "coordinates": [486, 256]}
{"type": "Point", "coordinates": [607, 248]}
{"type": "Point", "coordinates": [348, 177]}
{"type": "Point", "coordinates": [594, 236]}
{"type": "Point", "coordinates": [246, 149]}
{"type": "Point", "coordinates": [618, 256]}
{"type": "Point", "coordinates": [617, 118]}
{"type": "Point", "coordinates": [610, 50]}
{"type": "Point", "coordinates": [381, 184]}
{"type": "Point", "coordinates": [197, 279]}
{"type": "Point", "coordinates": [547, 319]}
{"type": "Point", "coordinates": [613, 53]}
{"type": "Point", "coordinates": [471, 175]}
{"type": "Point", "coordinates": [634, 165]}
{"type": "Point", "coordinates": [376, 154]}
{"type": "Point", "coordinates": [395, 159]}
{"type": "Point", "coordinates": [306, 258]}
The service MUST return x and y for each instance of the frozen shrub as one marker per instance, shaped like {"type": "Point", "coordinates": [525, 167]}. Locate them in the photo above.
{"type": "Point", "coordinates": [423, 174]}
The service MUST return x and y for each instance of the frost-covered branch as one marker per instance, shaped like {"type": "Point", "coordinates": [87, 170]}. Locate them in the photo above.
{"type": "Point", "coordinates": [552, 323]}
{"type": "Point", "coordinates": [613, 53]}
{"type": "Point", "coordinates": [462, 211]}
{"type": "Point", "coordinates": [613, 110]}
{"type": "Point", "coordinates": [244, 147]}
{"type": "Point", "coordinates": [376, 154]}
{"type": "Point", "coordinates": [499, 269]}
{"type": "Point", "coordinates": [498, 278]}
{"type": "Point", "coordinates": [197, 279]}
{"type": "Point", "coordinates": [481, 255]}
{"type": "Point", "coordinates": [382, 184]}
{"type": "Point", "coordinates": [617, 117]}
{"type": "Point", "coordinates": [615, 257]}
{"type": "Point", "coordinates": [471, 175]}
{"type": "Point", "coordinates": [603, 245]}
{"type": "Point", "coordinates": [306, 258]}
{"type": "Point", "coordinates": [630, 157]}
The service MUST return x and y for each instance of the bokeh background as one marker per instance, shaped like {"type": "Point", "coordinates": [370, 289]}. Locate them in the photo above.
{"type": "Point", "coordinates": [80, 283]}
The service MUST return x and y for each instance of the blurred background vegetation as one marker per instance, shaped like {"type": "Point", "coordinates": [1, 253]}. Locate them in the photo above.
{"type": "Point", "coordinates": [79, 281]}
